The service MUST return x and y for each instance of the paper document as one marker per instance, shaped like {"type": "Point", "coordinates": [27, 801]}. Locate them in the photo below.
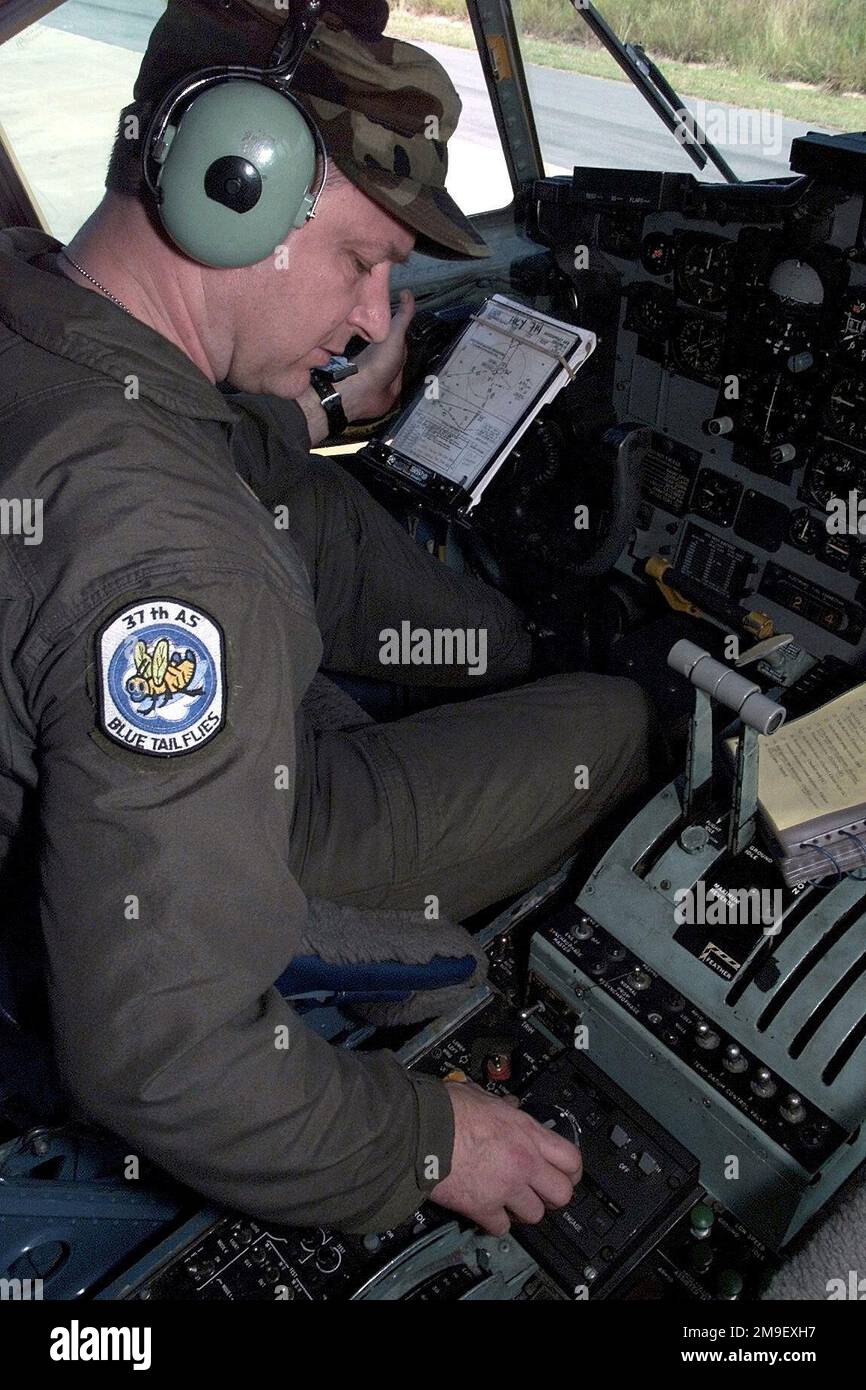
{"type": "Point", "coordinates": [816, 766]}
{"type": "Point", "coordinates": [501, 365]}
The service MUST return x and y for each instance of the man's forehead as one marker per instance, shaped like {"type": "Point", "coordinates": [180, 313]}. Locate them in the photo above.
{"type": "Point", "coordinates": [385, 250]}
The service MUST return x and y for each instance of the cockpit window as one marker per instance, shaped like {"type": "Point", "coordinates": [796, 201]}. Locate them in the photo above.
{"type": "Point", "coordinates": [587, 114]}
{"type": "Point", "coordinates": [64, 80]}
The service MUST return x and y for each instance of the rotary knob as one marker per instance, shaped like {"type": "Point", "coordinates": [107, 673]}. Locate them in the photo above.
{"type": "Point", "coordinates": [556, 1118]}
{"type": "Point", "coordinates": [313, 1240]}
{"type": "Point", "coordinates": [329, 1259]}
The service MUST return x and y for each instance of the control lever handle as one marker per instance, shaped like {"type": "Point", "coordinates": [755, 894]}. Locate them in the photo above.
{"type": "Point", "coordinates": [721, 683]}
{"type": "Point", "coordinates": [760, 715]}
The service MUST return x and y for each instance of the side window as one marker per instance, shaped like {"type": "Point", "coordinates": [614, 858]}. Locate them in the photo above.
{"type": "Point", "coordinates": [64, 80]}
{"type": "Point", "coordinates": [478, 179]}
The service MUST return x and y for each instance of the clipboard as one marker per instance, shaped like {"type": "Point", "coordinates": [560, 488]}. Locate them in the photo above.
{"type": "Point", "coordinates": [451, 440]}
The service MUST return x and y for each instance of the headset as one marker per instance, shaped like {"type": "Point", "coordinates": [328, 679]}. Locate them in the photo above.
{"type": "Point", "coordinates": [230, 156]}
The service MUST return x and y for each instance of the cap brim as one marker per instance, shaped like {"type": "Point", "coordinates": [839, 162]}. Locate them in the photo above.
{"type": "Point", "coordinates": [443, 230]}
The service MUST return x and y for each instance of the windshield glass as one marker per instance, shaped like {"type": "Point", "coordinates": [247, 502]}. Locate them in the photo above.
{"type": "Point", "coordinates": [753, 76]}
{"type": "Point", "coordinates": [84, 55]}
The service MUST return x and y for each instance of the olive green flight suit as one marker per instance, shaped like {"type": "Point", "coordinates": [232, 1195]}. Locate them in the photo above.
{"type": "Point", "coordinates": [173, 867]}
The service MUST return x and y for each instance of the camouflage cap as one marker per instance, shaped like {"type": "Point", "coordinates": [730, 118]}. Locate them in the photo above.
{"type": "Point", "coordinates": [386, 109]}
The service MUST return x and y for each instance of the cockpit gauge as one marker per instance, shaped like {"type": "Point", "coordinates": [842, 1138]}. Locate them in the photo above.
{"type": "Point", "coordinates": [774, 410]}
{"type": "Point", "coordinates": [805, 532]}
{"type": "Point", "coordinates": [704, 267]}
{"type": "Point", "coordinates": [698, 346]}
{"type": "Point", "coordinates": [620, 234]}
{"type": "Point", "coordinates": [837, 551]}
{"type": "Point", "coordinates": [649, 312]}
{"type": "Point", "coordinates": [846, 409]}
{"type": "Point", "coordinates": [835, 472]}
{"type": "Point", "coordinates": [657, 253]}
{"type": "Point", "coordinates": [796, 282]}
{"type": "Point", "coordinates": [852, 340]}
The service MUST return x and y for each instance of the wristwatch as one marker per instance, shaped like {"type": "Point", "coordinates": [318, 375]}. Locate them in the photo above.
{"type": "Point", "coordinates": [324, 382]}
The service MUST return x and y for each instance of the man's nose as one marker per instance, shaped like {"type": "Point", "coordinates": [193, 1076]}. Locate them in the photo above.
{"type": "Point", "coordinates": [372, 314]}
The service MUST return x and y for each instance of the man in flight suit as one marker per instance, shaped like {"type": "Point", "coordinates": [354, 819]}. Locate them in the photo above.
{"type": "Point", "coordinates": [159, 642]}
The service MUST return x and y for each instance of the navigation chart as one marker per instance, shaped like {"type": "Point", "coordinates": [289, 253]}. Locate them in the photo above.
{"type": "Point", "coordinates": [504, 361]}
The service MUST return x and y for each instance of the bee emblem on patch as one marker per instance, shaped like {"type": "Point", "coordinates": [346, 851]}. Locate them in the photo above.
{"type": "Point", "coordinates": [161, 678]}
{"type": "Point", "coordinates": [161, 674]}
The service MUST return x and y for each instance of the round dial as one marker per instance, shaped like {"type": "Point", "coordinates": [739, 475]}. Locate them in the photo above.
{"type": "Point", "coordinates": [704, 268]}
{"type": "Point", "coordinates": [788, 335]}
{"type": "Point", "coordinates": [835, 473]}
{"type": "Point", "coordinates": [657, 253]}
{"type": "Point", "coordinates": [805, 532]}
{"type": "Point", "coordinates": [846, 408]}
{"type": "Point", "coordinates": [852, 340]}
{"type": "Point", "coordinates": [774, 410]}
{"type": "Point", "coordinates": [796, 282]}
{"type": "Point", "coordinates": [698, 346]}
{"type": "Point", "coordinates": [837, 551]}
{"type": "Point", "coordinates": [649, 311]}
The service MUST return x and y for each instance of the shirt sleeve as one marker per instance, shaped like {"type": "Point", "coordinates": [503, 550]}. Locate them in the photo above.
{"type": "Point", "coordinates": [369, 575]}
{"type": "Point", "coordinates": [270, 444]}
{"type": "Point", "coordinates": [168, 911]}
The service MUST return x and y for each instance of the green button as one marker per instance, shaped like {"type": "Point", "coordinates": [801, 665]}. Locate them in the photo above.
{"type": "Point", "coordinates": [729, 1283]}
{"type": "Point", "coordinates": [702, 1219]}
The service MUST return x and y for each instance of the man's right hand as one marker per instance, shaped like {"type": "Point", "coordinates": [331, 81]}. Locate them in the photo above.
{"type": "Point", "coordinates": [505, 1165]}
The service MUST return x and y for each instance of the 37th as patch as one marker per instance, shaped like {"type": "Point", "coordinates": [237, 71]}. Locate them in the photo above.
{"type": "Point", "coordinates": [161, 668]}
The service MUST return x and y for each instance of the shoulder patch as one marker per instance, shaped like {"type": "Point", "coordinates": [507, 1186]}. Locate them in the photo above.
{"type": "Point", "coordinates": [161, 666]}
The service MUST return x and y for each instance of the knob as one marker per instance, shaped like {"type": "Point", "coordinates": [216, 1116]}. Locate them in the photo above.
{"type": "Point", "coordinates": [694, 838]}
{"type": "Point", "coordinates": [701, 1221]}
{"type": "Point", "coordinates": [733, 1059]}
{"type": "Point", "coordinates": [555, 1118]}
{"type": "Point", "coordinates": [498, 1066]}
{"type": "Point", "coordinates": [792, 1109]}
{"type": "Point", "coordinates": [329, 1259]}
{"type": "Point", "coordinates": [313, 1240]}
{"type": "Point", "coordinates": [763, 1084]}
{"type": "Point", "coordinates": [801, 362]}
{"type": "Point", "coordinates": [722, 424]}
{"type": "Point", "coordinates": [371, 1243]}
{"type": "Point", "coordinates": [729, 1284]}
{"type": "Point", "coordinates": [783, 453]}
{"type": "Point", "coordinates": [706, 1038]}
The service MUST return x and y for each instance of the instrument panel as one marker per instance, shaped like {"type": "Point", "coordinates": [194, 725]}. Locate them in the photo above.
{"type": "Point", "coordinates": [741, 342]}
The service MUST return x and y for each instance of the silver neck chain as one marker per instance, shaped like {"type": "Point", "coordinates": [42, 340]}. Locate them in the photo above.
{"type": "Point", "coordinates": [81, 271]}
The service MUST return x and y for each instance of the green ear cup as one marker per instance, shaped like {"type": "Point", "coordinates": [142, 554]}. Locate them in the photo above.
{"type": "Point", "coordinates": [237, 174]}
